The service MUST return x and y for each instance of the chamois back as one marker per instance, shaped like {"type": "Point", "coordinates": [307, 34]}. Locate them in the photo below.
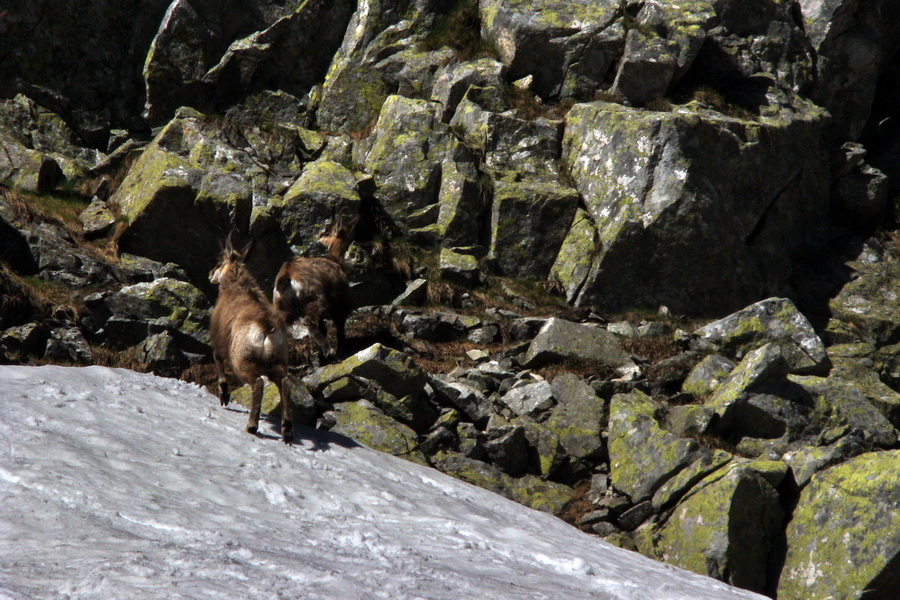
{"type": "Point", "coordinates": [315, 289]}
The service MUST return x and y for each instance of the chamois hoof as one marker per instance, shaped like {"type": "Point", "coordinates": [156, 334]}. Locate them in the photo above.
{"type": "Point", "coordinates": [287, 433]}
{"type": "Point", "coordinates": [251, 429]}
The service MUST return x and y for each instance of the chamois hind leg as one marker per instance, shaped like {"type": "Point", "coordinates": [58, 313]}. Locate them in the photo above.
{"type": "Point", "coordinates": [255, 405]}
{"type": "Point", "coordinates": [224, 398]}
{"type": "Point", "coordinates": [279, 377]}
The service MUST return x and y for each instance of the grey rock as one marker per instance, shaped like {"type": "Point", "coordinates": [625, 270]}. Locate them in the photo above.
{"type": "Point", "coordinates": [559, 339]}
{"type": "Point", "coordinates": [774, 320]}
{"type": "Point", "coordinates": [530, 399]}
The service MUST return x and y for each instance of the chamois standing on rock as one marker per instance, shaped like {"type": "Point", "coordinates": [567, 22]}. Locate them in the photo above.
{"type": "Point", "coordinates": [316, 288]}
{"type": "Point", "coordinates": [249, 335]}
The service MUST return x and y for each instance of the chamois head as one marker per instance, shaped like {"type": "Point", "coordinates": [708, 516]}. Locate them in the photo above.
{"type": "Point", "coordinates": [335, 236]}
{"type": "Point", "coordinates": [228, 257]}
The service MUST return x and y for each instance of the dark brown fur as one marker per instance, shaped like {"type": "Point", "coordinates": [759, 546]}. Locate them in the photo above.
{"type": "Point", "coordinates": [316, 289]}
{"type": "Point", "coordinates": [249, 335]}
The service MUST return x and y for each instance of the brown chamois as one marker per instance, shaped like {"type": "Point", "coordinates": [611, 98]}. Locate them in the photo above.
{"type": "Point", "coordinates": [316, 289]}
{"type": "Point", "coordinates": [249, 335]}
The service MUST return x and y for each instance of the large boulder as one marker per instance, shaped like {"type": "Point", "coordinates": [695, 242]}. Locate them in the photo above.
{"type": "Point", "coordinates": [844, 536]}
{"type": "Point", "coordinates": [566, 47]}
{"type": "Point", "coordinates": [208, 55]}
{"type": "Point", "coordinates": [198, 180]}
{"type": "Point", "coordinates": [774, 320]}
{"type": "Point", "coordinates": [853, 41]}
{"type": "Point", "coordinates": [661, 190]}
{"type": "Point", "coordinates": [408, 148]}
{"type": "Point", "coordinates": [559, 340]}
{"type": "Point", "coordinates": [642, 455]}
{"type": "Point", "coordinates": [529, 222]}
{"type": "Point", "coordinates": [726, 528]}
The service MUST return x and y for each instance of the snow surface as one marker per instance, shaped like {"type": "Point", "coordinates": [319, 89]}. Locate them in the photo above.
{"type": "Point", "coordinates": [118, 485]}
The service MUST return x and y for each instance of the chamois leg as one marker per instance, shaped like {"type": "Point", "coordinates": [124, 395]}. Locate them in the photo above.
{"type": "Point", "coordinates": [287, 416]}
{"type": "Point", "coordinates": [340, 325]}
{"type": "Point", "coordinates": [224, 398]}
{"type": "Point", "coordinates": [255, 405]}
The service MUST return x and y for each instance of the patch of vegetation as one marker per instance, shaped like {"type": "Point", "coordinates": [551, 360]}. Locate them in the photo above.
{"type": "Point", "coordinates": [460, 29]}
{"type": "Point", "coordinates": [528, 105]}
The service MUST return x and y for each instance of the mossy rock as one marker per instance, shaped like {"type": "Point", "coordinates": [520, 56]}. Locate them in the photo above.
{"type": "Point", "coordinates": [529, 222]}
{"type": "Point", "coordinates": [529, 490]}
{"type": "Point", "coordinates": [364, 423]}
{"type": "Point", "coordinates": [869, 302]}
{"type": "Point", "coordinates": [724, 528]}
{"type": "Point", "coordinates": [844, 537]}
{"type": "Point", "coordinates": [393, 371]}
{"type": "Point", "coordinates": [643, 456]}
{"type": "Point", "coordinates": [573, 262]}
{"type": "Point", "coordinates": [774, 320]}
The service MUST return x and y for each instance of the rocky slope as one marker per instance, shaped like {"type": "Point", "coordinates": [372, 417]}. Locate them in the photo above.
{"type": "Point", "coordinates": [632, 263]}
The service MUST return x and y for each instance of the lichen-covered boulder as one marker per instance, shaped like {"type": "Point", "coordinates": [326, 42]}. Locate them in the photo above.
{"type": "Point", "coordinates": [642, 455]}
{"type": "Point", "coordinates": [578, 419]}
{"type": "Point", "coordinates": [528, 147]}
{"type": "Point", "coordinates": [559, 340]}
{"type": "Point", "coordinates": [573, 263]}
{"type": "Point", "coordinates": [732, 398]}
{"type": "Point", "coordinates": [567, 47]}
{"type": "Point", "coordinates": [40, 151]}
{"type": "Point", "coordinates": [530, 399]}
{"type": "Point", "coordinates": [774, 320]}
{"type": "Point", "coordinates": [843, 403]}
{"type": "Point", "coordinates": [706, 375]}
{"type": "Point", "coordinates": [379, 55]}
{"type": "Point", "coordinates": [843, 540]}
{"type": "Point", "coordinates": [870, 301]}
{"type": "Point", "coordinates": [529, 490]}
{"type": "Point", "coordinates": [324, 189]}
{"type": "Point", "coordinates": [463, 205]}
{"type": "Point", "coordinates": [128, 316]}
{"type": "Point", "coordinates": [209, 54]}
{"type": "Point", "coordinates": [392, 370]}
{"type": "Point", "coordinates": [364, 423]}
{"type": "Point", "coordinates": [408, 148]}
{"type": "Point", "coordinates": [661, 191]}
{"type": "Point", "coordinates": [529, 222]}
{"type": "Point", "coordinates": [460, 267]}
{"type": "Point", "coordinates": [191, 186]}
{"type": "Point", "coordinates": [725, 528]}
{"type": "Point", "coordinates": [464, 397]}
{"type": "Point", "coordinates": [454, 80]}
{"type": "Point", "coordinates": [661, 48]}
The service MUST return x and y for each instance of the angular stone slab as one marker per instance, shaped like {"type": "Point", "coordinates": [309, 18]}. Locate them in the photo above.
{"type": "Point", "coordinates": [559, 339]}
{"type": "Point", "coordinates": [844, 536]}
{"type": "Point", "coordinates": [774, 320]}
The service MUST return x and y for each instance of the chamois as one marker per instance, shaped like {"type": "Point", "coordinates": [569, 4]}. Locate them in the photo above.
{"type": "Point", "coordinates": [316, 288]}
{"type": "Point", "coordinates": [249, 335]}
